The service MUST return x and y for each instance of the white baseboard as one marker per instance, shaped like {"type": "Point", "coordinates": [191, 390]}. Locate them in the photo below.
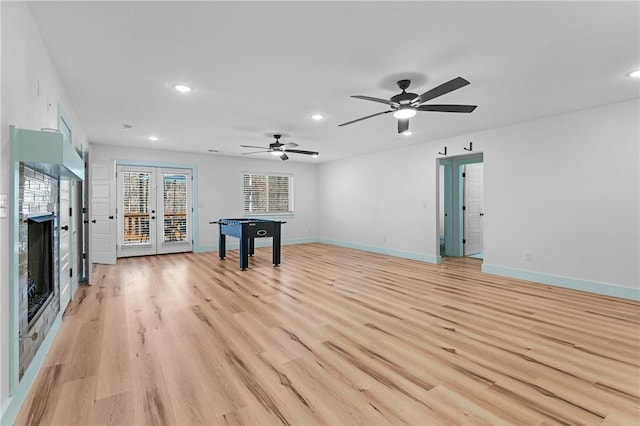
{"type": "Point", "coordinates": [382, 250]}
{"type": "Point", "coordinates": [566, 282]}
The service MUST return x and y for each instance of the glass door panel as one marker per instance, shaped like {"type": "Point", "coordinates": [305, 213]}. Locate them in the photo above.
{"type": "Point", "coordinates": [136, 211]}
{"type": "Point", "coordinates": [174, 219]}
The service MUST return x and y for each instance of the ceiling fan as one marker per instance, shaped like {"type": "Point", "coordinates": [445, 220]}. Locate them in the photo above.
{"type": "Point", "coordinates": [280, 149]}
{"type": "Point", "coordinates": [405, 105]}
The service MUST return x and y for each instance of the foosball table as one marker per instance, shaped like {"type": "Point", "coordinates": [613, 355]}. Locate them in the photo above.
{"type": "Point", "coordinates": [247, 230]}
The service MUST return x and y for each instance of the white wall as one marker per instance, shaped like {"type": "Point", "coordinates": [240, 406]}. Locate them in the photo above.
{"type": "Point", "coordinates": [568, 193]}
{"type": "Point", "coordinates": [25, 61]}
{"type": "Point", "coordinates": [384, 200]}
{"type": "Point", "coordinates": [219, 187]}
{"type": "Point", "coordinates": [565, 188]}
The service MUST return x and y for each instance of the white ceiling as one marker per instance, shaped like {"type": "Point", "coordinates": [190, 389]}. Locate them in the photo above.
{"type": "Point", "coordinates": [259, 68]}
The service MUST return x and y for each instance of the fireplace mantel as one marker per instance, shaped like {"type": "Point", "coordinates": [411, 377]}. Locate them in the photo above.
{"type": "Point", "coordinates": [47, 151]}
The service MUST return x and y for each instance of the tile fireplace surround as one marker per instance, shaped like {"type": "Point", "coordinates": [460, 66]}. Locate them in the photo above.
{"type": "Point", "coordinates": [38, 195]}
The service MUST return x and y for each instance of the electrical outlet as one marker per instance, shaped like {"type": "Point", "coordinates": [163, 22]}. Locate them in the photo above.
{"type": "Point", "coordinates": [528, 256]}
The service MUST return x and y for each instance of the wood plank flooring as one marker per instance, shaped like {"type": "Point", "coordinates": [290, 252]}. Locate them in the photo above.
{"type": "Point", "coordinates": [335, 337]}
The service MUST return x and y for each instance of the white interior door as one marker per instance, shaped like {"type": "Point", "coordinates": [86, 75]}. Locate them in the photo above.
{"type": "Point", "coordinates": [101, 216]}
{"type": "Point", "coordinates": [64, 245]}
{"type": "Point", "coordinates": [473, 212]}
{"type": "Point", "coordinates": [154, 211]}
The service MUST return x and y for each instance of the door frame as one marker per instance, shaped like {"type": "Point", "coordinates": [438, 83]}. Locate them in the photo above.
{"type": "Point", "coordinates": [453, 201]}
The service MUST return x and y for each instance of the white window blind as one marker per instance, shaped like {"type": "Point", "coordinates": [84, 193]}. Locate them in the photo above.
{"type": "Point", "coordinates": [264, 193]}
{"type": "Point", "coordinates": [136, 196]}
{"type": "Point", "coordinates": [174, 188]}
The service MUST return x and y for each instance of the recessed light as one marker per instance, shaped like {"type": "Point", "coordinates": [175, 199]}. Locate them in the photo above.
{"type": "Point", "coordinates": [182, 88]}
{"type": "Point", "coordinates": [407, 133]}
{"type": "Point", "coordinates": [317, 117]}
{"type": "Point", "coordinates": [154, 138]}
{"type": "Point", "coordinates": [634, 73]}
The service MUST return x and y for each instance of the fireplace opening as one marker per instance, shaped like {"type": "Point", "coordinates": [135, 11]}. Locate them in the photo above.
{"type": "Point", "coordinates": [40, 270]}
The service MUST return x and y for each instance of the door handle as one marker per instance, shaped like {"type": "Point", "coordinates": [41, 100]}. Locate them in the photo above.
{"type": "Point", "coordinates": [65, 228]}
{"type": "Point", "coordinates": [153, 217]}
{"type": "Point", "coordinates": [93, 221]}
{"type": "Point", "coordinates": [110, 217]}
{"type": "Point", "coordinates": [481, 214]}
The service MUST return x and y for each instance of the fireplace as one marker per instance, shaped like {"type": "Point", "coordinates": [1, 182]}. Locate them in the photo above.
{"type": "Point", "coordinates": [42, 160]}
{"type": "Point", "coordinates": [40, 267]}
{"type": "Point", "coordinates": [38, 257]}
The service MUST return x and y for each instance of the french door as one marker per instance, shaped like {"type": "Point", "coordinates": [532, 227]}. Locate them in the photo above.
{"type": "Point", "coordinates": [154, 211]}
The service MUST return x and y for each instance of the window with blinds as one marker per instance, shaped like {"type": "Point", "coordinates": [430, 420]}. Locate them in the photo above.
{"type": "Point", "coordinates": [265, 193]}
{"type": "Point", "coordinates": [136, 187]}
{"type": "Point", "coordinates": [174, 188]}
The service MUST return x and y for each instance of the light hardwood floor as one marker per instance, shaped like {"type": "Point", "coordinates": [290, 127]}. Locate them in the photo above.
{"type": "Point", "coordinates": [335, 336]}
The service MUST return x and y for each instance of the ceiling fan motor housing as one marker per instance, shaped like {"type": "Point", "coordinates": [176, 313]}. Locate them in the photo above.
{"type": "Point", "coordinates": [404, 98]}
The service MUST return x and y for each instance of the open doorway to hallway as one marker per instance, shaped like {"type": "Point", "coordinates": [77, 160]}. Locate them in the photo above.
{"type": "Point", "coordinates": [461, 206]}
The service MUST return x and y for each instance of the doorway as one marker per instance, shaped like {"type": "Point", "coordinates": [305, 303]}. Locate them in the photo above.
{"type": "Point", "coordinates": [154, 210]}
{"type": "Point", "coordinates": [461, 206]}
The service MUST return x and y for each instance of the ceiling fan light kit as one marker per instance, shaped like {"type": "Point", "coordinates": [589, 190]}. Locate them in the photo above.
{"type": "Point", "coordinates": [405, 105]}
{"type": "Point", "coordinates": [404, 112]}
{"type": "Point", "coordinates": [182, 88]}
